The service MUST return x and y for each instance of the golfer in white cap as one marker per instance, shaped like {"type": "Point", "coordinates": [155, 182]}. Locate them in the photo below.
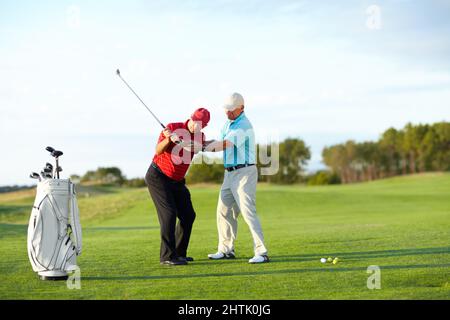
{"type": "Point", "coordinates": [238, 191]}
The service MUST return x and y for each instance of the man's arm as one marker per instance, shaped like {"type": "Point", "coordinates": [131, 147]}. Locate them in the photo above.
{"type": "Point", "coordinates": [216, 146]}
{"type": "Point", "coordinates": [164, 144]}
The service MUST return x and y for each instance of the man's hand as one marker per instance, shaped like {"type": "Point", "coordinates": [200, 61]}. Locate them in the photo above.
{"type": "Point", "coordinates": [167, 132]}
{"type": "Point", "coordinates": [164, 144]}
{"type": "Point", "coordinates": [173, 136]}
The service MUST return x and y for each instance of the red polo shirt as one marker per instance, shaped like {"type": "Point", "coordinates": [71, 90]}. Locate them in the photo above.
{"type": "Point", "coordinates": [175, 161]}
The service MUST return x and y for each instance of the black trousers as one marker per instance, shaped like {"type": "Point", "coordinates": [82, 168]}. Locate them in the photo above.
{"type": "Point", "coordinates": [172, 199]}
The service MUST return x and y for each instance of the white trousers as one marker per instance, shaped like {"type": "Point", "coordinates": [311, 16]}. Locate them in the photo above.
{"type": "Point", "coordinates": [238, 195]}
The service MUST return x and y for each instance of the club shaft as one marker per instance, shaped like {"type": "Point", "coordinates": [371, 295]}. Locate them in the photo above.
{"type": "Point", "coordinates": [57, 172]}
{"type": "Point", "coordinates": [163, 126]}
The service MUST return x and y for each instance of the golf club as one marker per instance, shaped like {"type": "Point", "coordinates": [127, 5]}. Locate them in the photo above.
{"type": "Point", "coordinates": [49, 166]}
{"type": "Point", "coordinates": [56, 154]}
{"type": "Point", "coordinates": [35, 175]}
{"type": "Point", "coordinates": [163, 126]}
{"type": "Point", "coordinates": [47, 171]}
{"type": "Point", "coordinates": [45, 175]}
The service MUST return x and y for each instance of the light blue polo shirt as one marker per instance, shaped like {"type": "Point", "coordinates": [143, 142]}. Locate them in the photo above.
{"type": "Point", "coordinates": [240, 133]}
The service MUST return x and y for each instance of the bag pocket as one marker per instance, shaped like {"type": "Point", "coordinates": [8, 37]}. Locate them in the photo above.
{"type": "Point", "coordinates": [66, 250]}
{"type": "Point", "coordinates": [44, 240]}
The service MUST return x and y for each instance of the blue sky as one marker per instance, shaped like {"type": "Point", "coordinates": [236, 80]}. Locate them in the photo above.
{"type": "Point", "coordinates": [307, 69]}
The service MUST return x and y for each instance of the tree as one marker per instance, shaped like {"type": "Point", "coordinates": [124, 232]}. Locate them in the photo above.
{"type": "Point", "coordinates": [441, 160]}
{"type": "Point", "coordinates": [323, 178]}
{"type": "Point", "coordinates": [369, 157]}
{"type": "Point", "coordinates": [428, 148]}
{"type": "Point", "coordinates": [293, 156]}
{"type": "Point", "coordinates": [207, 170]}
{"type": "Point", "coordinates": [390, 155]}
{"type": "Point", "coordinates": [415, 148]}
{"type": "Point", "coordinates": [335, 157]}
{"type": "Point", "coordinates": [104, 175]}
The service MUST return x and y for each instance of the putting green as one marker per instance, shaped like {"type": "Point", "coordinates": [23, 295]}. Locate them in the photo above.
{"type": "Point", "coordinates": [401, 225]}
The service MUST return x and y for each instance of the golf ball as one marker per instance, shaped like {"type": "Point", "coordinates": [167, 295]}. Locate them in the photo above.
{"type": "Point", "coordinates": [323, 260]}
{"type": "Point", "coordinates": [330, 259]}
{"type": "Point", "coordinates": [335, 261]}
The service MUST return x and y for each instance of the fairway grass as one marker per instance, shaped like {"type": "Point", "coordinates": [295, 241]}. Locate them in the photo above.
{"type": "Point", "coordinates": [401, 225]}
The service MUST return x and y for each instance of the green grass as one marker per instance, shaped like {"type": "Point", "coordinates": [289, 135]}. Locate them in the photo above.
{"type": "Point", "coordinates": [401, 224]}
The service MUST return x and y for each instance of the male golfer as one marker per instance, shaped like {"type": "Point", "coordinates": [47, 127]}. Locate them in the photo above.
{"type": "Point", "coordinates": [238, 191]}
{"type": "Point", "coordinates": [166, 184]}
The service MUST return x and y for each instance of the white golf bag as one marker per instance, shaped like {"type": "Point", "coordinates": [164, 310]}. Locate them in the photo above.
{"type": "Point", "coordinates": [54, 230]}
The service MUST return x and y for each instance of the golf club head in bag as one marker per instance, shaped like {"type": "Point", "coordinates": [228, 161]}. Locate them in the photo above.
{"type": "Point", "coordinates": [55, 154]}
{"type": "Point", "coordinates": [47, 171]}
{"type": "Point", "coordinates": [35, 175]}
{"type": "Point", "coordinates": [45, 175]}
{"type": "Point", "coordinates": [49, 166]}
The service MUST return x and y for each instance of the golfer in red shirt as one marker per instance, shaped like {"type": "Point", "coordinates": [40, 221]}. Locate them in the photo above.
{"type": "Point", "coordinates": [176, 147]}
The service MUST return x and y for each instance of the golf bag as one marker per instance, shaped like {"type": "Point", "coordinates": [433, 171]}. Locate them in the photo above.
{"type": "Point", "coordinates": [54, 231]}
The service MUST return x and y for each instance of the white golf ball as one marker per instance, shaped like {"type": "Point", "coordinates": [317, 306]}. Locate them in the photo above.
{"type": "Point", "coordinates": [323, 260]}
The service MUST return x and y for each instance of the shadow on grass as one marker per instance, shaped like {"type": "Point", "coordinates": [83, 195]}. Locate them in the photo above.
{"type": "Point", "coordinates": [260, 272]}
{"type": "Point", "coordinates": [342, 241]}
{"type": "Point", "coordinates": [9, 229]}
{"type": "Point", "coordinates": [347, 255]}
{"type": "Point", "coordinates": [365, 254]}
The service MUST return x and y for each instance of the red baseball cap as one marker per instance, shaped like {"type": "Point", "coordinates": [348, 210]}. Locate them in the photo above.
{"type": "Point", "coordinates": [202, 115]}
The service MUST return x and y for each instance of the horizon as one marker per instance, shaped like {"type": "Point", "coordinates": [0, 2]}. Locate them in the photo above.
{"type": "Point", "coordinates": [321, 72]}
{"type": "Point", "coordinates": [307, 171]}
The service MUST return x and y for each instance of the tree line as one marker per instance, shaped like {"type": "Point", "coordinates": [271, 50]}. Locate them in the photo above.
{"type": "Point", "coordinates": [107, 176]}
{"type": "Point", "coordinates": [413, 149]}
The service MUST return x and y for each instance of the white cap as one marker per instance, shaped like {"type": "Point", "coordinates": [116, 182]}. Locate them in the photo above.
{"type": "Point", "coordinates": [234, 101]}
